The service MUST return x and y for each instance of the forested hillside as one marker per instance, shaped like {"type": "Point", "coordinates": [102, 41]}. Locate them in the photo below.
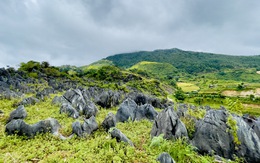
{"type": "Point", "coordinates": [187, 61]}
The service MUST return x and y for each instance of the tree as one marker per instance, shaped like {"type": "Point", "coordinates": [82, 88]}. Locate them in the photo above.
{"type": "Point", "coordinates": [179, 94]}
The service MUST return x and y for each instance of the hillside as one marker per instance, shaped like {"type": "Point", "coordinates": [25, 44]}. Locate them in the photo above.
{"type": "Point", "coordinates": [102, 113]}
{"type": "Point", "coordinates": [187, 61]}
{"type": "Point", "coordinates": [157, 70]}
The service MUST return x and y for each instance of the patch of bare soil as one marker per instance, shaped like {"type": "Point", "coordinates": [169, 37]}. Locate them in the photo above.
{"type": "Point", "coordinates": [251, 106]}
{"type": "Point", "coordinates": [232, 93]}
{"type": "Point", "coordinates": [258, 72]}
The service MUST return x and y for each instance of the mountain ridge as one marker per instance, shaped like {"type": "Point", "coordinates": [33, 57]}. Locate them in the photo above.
{"type": "Point", "coordinates": [187, 61]}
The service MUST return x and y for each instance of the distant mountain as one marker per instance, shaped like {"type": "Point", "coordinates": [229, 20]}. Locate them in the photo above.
{"type": "Point", "coordinates": [187, 61]}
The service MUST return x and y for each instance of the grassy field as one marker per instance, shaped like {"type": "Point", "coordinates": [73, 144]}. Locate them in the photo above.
{"type": "Point", "coordinates": [188, 87]}
{"type": "Point", "coordinates": [98, 147]}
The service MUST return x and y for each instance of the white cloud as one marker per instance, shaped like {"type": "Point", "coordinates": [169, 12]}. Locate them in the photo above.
{"type": "Point", "coordinates": [82, 31]}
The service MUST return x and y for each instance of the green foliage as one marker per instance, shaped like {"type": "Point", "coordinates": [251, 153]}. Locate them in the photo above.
{"type": "Point", "coordinates": [190, 125]}
{"type": "Point", "coordinates": [33, 69]}
{"type": "Point", "coordinates": [98, 147]}
{"type": "Point", "coordinates": [243, 74]}
{"type": "Point", "coordinates": [179, 94]}
{"type": "Point", "coordinates": [162, 71]}
{"type": "Point", "coordinates": [240, 86]}
{"type": "Point", "coordinates": [234, 106]}
{"type": "Point", "coordinates": [232, 124]}
{"type": "Point", "coordinates": [187, 61]}
{"type": "Point", "coordinates": [157, 141]}
{"type": "Point", "coordinates": [179, 149]}
{"type": "Point", "coordinates": [197, 113]}
{"type": "Point", "coordinates": [189, 121]}
{"type": "Point", "coordinates": [29, 66]}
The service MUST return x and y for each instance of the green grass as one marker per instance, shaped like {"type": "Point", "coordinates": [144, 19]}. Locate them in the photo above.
{"type": "Point", "coordinates": [98, 147]}
{"type": "Point", "coordinates": [188, 87]}
{"type": "Point", "coordinates": [97, 65]}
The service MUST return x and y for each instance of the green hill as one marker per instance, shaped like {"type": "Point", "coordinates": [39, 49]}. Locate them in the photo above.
{"type": "Point", "coordinates": [187, 61]}
{"type": "Point", "coordinates": [154, 69]}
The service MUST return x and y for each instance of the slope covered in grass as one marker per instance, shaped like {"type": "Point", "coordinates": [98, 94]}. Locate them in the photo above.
{"type": "Point", "coordinates": [155, 69]}
{"type": "Point", "coordinates": [98, 147]}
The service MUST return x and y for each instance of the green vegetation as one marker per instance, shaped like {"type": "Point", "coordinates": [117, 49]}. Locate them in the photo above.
{"type": "Point", "coordinates": [98, 147]}
{"type": "Point", "coordinates": [179, 94]}
{"type": "Point", "coordinates": [162, 71]}
{"type": "Point", "coordinates": [33, 69]}
{"type": "Point", "coordinates": [189, 122]}
{"type": "Point", "coordinates": [232, 124]}
{"type": "Point", "coordinates": [187, 61]}
{"type": "Point", "coordinates": [188, 87]}
{"type": "Point", "coordinates": [182, 76]}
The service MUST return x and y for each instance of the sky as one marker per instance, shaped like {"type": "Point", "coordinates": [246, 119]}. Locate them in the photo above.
{"type": "Point", "coordinates": [79, 32]}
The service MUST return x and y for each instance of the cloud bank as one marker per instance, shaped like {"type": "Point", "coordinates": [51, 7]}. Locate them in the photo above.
{"type": "Point", "coordinates": [80, 32]}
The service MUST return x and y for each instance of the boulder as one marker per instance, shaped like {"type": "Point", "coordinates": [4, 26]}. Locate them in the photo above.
{"type": "Point", "coordinates": [116, 133]}
{"type": "Point", "coordinates": [76, 99]}
{"type": "Point", "coordinates": [59, 100]}
{"type": "Point", "coordinates": [109, 122]}
{"type": "Point", "coordinates": [77, 129]}
{"type": "Point", "coordinates": [146, 111]}
{"type": "Point", "coordinates": [90, 109]}
{"type": "Point", "coordinates": [9, 94]}
{"type": "Point", "coordinates": [211, 134]}
{"type": "Point", "coordinates": [182, 109]}
{"type": "Point", "coordinates": [168, 124]}
{"type": "Point", "coordinates": [19, 113]}
{"type": "Point", "coordinates": [68, 109]}
{"type": "Point", "coordinates": [249, 138]}
{"type": "Point", "coordinates": [45, 93]}
{"type": "Point", "coordinates": [28, 101]}
{"type": "Point", "coordinates": [165, 158]}
{"type": "Point", "coordinates": [21, 128]}
{"type": "Point", "coordinates": [4, 85]}
{"type": "Point", "coordinates": [89, 125]}
{"type": "Point", "coordinates": [141, 99]}
{"type": "Point", "coordinates": [126, 110]}
{"type": "Point", "coordinates": [104, 100]}
{"type": "Point", "coordinates": [108, 99]}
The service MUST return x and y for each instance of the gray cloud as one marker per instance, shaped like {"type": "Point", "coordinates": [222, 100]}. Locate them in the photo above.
{"type": "Point", "coordinates": [79, 32]}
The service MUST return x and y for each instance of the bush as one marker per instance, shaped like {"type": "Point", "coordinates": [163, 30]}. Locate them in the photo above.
{"type": "Point", "coordinates": [179, 94]}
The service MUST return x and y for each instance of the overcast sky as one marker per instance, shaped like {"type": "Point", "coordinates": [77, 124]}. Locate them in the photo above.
{"type": "Point", "coordinates": [79, 32]}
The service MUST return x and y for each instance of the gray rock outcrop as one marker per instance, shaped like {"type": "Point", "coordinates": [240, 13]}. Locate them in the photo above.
{"type": "Point", "coordinates": [109, 121]}
{"type": "Point", "coordinates": [145, 111]}
{"type": "Point", "coordinates": [165, 158]}
{"type": "Point", "coordinates": [249, 139]}
{"type": "Point", "coordinates": [168, 124]}
{"type": "Point", "coordinates": [116, 133]}
{"type": "Point", "coordinates": [212, 136]}
{"type": "Point", "coordinates": [19, 113]}
{"type": "Point", "coordinates": [19, 127]}
{"type": "Point", "coordinates": [28, 101]}
{"type": "Point", "coordinates": [126, 111]}
{"type": "Point", "coordinates": [86, 128]}
{"type": "Point", "coordinates": [68, 109]}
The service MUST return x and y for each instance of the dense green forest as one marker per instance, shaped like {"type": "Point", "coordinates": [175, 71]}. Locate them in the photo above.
{"type": "Point", "coordinates": [187, 61]}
